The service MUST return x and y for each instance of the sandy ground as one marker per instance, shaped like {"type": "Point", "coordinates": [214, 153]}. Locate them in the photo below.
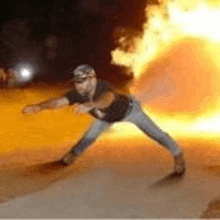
{"type": "Point", "coordinates": [110, 183]}
{"type": "Point", "coordinates": [126, 177]}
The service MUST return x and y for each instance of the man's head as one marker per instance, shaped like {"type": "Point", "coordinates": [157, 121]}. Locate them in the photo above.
{"type": "Point", "coordinates": [84, 77]}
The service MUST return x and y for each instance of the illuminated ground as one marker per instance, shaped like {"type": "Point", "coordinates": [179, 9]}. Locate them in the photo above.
{"type": "Point", "coordinates": [114, 178]}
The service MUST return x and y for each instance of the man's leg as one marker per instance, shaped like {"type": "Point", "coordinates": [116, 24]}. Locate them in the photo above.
{"type": "Point", "coordinates": [142, 121]}
{"type": "Point", "coordinates": [153, 131]}
{"type": "Point", "coordinates": [88, 138]}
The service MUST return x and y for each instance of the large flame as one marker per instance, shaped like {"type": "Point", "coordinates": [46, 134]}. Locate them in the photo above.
{"type": "Point", "coordinates": [176, 65]}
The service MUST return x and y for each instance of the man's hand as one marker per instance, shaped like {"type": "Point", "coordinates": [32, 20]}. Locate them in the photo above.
{"type": "Point", "coordinates": [48, 104]}
{"type": "Point", "coordinates": [83, 108]}
{"type": "Point", "coordinates": [31, 109]}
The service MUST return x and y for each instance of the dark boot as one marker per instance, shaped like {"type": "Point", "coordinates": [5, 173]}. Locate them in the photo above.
{"type": "Point", "coordinates": [68, 158]}
{"type": "Point", "coordinates": [179, 165]}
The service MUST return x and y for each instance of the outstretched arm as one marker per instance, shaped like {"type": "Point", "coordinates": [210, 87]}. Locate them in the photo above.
{"type": "Point", "coordinates": [48, 104]}
{"type": "Point", "coordinates": [105, 100]}
{"type": "Point", "coordinates": [102, 102]}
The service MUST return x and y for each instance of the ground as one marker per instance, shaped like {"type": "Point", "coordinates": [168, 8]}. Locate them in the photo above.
{"type": "Point", "coordinates": [106, 182]}
{"type": "Point", "coordinates": [115, 178]}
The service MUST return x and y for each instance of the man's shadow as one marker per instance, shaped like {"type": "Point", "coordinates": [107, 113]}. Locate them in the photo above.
{"type": "Point", "coordinates": [49, 167]}
{"type": "Point", "coordinates": [29, 179]}
{"type": "Point", "coordinates": [168, 181]}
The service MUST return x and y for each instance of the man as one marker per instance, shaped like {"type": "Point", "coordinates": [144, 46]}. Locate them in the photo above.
{"type": "Point", "coordinates": [101, 100]}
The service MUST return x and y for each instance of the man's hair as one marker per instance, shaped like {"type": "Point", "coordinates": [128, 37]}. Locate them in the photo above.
{"type": "Point", "coordinates": [83, 72]}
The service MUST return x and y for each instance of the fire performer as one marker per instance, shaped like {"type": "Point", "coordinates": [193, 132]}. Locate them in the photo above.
{"type": "Point", "coordinates": [101, 100]}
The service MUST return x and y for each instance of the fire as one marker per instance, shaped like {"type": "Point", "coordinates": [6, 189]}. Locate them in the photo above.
{"type": "Point", "coordinates": [167, 24]}
{"type": "Point", "coordinates": [184, 35]}
{"type": "Point", "coordinates": [200, 22]}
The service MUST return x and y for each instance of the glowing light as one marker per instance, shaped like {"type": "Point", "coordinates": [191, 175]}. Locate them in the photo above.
{"type": "Point", "coordinates": [26, 73]}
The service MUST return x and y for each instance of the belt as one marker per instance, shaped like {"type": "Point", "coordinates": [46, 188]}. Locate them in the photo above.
{"type": "Point", "coordinates": [130, 106]}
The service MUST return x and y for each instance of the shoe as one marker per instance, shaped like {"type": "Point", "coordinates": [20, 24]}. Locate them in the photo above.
{"type": "Point", "coordinates": [68, 158]}
{"type": "Point", "coordinates": [179, 165]}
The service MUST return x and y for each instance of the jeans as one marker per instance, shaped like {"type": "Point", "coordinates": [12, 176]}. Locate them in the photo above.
{"type": "Point", "coordinates": [136, 116]}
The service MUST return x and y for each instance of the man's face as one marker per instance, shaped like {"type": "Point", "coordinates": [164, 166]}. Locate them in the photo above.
{"type": "Point", "coordinates": [84, 87]}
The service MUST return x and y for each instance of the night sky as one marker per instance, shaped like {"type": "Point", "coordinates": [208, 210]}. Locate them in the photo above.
{"type": "Point", "coordinates": [11, 9]}
{"type": "Point", "coordinates": [83, 31]}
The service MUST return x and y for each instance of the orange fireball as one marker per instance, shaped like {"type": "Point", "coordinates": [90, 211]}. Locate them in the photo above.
{"type": "Point", "coordinates": [176, 65]}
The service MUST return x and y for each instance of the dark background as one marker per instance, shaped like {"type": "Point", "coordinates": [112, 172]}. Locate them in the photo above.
{"type": "Point", "coordinates": [58, 35]}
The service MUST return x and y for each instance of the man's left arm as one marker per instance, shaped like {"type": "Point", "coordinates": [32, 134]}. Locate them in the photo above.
{"type": "Point", "coordinates": [104, 101]}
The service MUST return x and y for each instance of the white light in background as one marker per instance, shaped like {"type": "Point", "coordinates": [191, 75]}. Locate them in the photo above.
{"type": "Point", "coordinates": [26, 73]}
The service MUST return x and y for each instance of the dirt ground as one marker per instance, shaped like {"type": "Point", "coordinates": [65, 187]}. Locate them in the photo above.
{"type": "Point", "coordinates": [115, 178]}
{"type": "Point", "coordinates": [110, 181]}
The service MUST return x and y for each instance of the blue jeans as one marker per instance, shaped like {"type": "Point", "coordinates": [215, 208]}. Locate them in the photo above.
{"type": "Point", "coordinates": [136, 116]}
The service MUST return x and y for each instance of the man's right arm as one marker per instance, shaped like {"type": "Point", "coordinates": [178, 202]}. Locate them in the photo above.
{"type": "Point", "coordinates": [48, 104]}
